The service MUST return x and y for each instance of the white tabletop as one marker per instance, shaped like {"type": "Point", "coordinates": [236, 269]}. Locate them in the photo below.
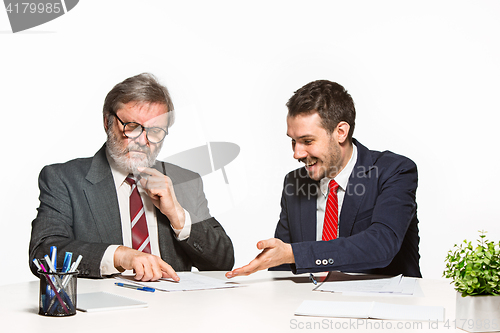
{"type": "Point", "coordinates": [266, 303]}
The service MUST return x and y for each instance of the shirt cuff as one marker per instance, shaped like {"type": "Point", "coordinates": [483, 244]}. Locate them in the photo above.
{"type": "Point", "coordinates": [183, 234]}
{"type": "Point", "coordinates": [108, 261]}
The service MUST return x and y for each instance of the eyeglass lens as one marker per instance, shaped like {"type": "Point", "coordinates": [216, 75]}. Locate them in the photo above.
{"type": "Point", "coordinates": [153, 134]}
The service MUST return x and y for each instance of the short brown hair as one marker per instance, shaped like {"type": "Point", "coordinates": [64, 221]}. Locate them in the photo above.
{"type": "Point", "coordinates": [329, 99]}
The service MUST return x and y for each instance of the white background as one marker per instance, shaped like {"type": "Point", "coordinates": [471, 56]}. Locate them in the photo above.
{"type": "Point", "coordinates": [424, 76]}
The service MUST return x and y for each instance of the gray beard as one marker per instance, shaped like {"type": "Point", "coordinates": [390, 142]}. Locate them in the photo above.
{"type": "Point", "coordinates": [126, 163]}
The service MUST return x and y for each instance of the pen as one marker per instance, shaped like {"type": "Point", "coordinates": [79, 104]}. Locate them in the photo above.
{"type": "Point", "coordinates": [53, 256]}
{"type": "Point", "coordinates": [67, 262]}
{"type": "Point", "coordinates": [131, 286]}
{"type": "Point", "coordinates": [73, 268]}
{"type": "Point", "coordinates": [40, 264]}
{"type": "Point", "coordinates": [313, 280]}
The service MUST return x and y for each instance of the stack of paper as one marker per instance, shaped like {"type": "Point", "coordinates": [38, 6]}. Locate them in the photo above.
{"type": "Point", "coordinates": [398, 285]}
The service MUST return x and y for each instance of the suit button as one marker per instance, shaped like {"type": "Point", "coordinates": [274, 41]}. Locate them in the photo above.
{"type": "Point", "coordinates": [325, 262]}
{"type": "Point", "coordinates": [318, 262]}
{"type": "Point", "coordinates": [330, 261]}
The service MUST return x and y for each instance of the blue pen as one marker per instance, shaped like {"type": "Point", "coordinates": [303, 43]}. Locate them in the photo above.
{"type": "Point", "coordinates": [131, 286]}
{"type": "Point", "coordinates": [313, 280]}
{"type": "Point", "coordinates": [67, 262]}
{"type": "Point", "coordinates": [53, 256]}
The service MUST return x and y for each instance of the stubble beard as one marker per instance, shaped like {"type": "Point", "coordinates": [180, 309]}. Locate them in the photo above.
{"type": "Point", "coordinates": [329, 166]}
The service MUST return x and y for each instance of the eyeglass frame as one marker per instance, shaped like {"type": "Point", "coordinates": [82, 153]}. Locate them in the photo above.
{"type": "Point", "coordinates": [143, 128]}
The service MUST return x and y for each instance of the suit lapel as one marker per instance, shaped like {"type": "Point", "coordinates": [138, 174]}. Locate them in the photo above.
{"type": "Point", "coordinates": [307, 209]}
{"type": "Point", "coordinates": [102, 199]}
{"type": "Point", "coordinates": [356, 186]}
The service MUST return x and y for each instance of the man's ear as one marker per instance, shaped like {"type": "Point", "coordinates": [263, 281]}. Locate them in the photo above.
{"type": "Point", "coordinates": [105, 120]}
{"type": "Point", "coordinates": [342, 130]}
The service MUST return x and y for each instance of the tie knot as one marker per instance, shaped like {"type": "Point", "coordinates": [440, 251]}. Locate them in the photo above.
{"type": "Point", "coordinates": [130, 180]}
{"type": "Point", "coordinates": [332, 185]}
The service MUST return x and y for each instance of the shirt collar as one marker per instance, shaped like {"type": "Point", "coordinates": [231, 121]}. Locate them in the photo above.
{"type": "Point", "coordinates": [343, 177]}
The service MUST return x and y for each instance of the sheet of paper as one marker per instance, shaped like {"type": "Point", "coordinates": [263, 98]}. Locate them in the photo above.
{"type": "Point", "coordinates": [407, 312]}
{"type": "Point", "coordinates": [406, 287]}
{"type": "Point", "coordinates": [397, 285]}
{"type": "Point", "coordinates": [103, 301]}
{"type": "Point", "coordinates": [365, 310]}
{"type": "Point", "coordinates": [335, 309]}
{"type": "Point", "coordinates": [189, 281]}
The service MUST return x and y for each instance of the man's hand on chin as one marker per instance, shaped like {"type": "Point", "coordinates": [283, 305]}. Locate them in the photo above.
{"type": "Point", "coordinates": [147, 267]}
{"type": "Point", "coordinates": [275, 252]}
{"type": "Point", "coordinates": [161, 191]}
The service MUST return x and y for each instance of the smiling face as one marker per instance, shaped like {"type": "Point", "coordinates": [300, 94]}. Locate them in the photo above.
{"type": "Point", "coordinates": [130, 154]}
{"type": "Point", "coordinates": [324, 154]}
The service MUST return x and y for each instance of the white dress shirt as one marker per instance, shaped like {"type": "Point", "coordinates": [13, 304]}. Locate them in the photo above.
{"type": "Point", "coordinates": [123, 189]}
{"type": "Point", "coordinates": [342, 179]}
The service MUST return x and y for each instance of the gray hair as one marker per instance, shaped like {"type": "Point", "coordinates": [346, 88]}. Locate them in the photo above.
{"type": "Point", "coordinates": [142, 88]}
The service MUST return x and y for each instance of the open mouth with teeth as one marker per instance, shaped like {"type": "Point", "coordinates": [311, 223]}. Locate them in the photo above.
{"type": "Point", "coordinates": [310, 164]}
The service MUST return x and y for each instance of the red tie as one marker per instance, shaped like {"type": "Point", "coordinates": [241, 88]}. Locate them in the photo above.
{"type": "Point", "coordinates": [140, 235]}
{"type": "Point", "coordinates": [330, 225]}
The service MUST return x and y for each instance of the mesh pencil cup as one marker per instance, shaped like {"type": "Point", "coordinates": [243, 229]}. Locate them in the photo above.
{"type": "Point", "coordinates": [57, 293]}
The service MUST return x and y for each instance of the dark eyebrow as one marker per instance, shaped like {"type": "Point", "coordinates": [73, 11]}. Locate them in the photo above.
{"type": "Point", "coordinates": [307, 136]}
{"type": "Point", "coordinates": [302, 137]}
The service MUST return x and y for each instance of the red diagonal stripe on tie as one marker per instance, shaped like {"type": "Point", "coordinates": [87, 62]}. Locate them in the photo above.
{"type": "Point", "coordinates": [330, 224]}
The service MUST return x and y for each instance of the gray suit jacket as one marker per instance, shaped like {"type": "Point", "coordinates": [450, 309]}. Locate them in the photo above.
{"type": "Point", "coordinates": [79, 213]}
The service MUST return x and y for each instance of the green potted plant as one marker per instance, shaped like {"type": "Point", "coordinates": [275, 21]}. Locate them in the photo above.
{"type": "Point", "coordinates": [475, 273]}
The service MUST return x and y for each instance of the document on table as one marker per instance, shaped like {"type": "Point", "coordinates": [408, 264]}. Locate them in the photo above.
{"type": "Point", "coordinates": [103, 301]}
{"type": "Point", "coordinates": [189, 281]}
{"type": "Point", "coordinates": [365, 310]}
{"type": "Point", "coordinates": [398, 285]}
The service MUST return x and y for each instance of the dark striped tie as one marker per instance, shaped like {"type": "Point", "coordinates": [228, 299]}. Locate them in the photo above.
{"type": "Point", "coordinates": [140, 235]}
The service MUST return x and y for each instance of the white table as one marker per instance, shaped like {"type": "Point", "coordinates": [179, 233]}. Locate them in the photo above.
{"type": "Point", "coordinates": [265, 304]}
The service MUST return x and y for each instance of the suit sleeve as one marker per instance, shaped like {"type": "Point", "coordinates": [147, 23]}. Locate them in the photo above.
{"type": "Point", "coordinates": [54, 226]}
{"type": "Point", "coordinates": [208, 246]}
{"type": "Point", "coordinates": [376, 237]}
{"type": "Point", "coordinates": [283, 228]}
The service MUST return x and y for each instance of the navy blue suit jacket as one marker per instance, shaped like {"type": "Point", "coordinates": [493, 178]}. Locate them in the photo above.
{"type": "Point", "coordinates": [378, 230]}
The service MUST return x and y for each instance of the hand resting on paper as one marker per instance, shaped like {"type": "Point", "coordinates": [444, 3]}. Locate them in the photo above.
{"type": "Point", "coordinates": [147, 267]}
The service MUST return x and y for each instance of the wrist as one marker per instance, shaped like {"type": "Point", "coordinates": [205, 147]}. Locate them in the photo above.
{"type": "Point", "coordinates": [178, 219]}
{"type": "Point", "coordinates": [117, 258]}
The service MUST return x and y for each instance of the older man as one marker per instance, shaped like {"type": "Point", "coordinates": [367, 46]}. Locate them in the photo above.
{"type": "Point", "coordinates": [122, 209]}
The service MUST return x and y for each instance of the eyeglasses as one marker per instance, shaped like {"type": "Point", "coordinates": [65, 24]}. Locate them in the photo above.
{"type": "Point", "coordinates": [133, 130]}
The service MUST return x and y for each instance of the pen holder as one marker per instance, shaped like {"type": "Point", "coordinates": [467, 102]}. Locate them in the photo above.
{"type": "Point", "coordinates": [57, 294]}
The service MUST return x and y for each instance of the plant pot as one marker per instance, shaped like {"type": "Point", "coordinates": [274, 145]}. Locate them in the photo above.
{"type": "Point", "coordinates": [478, 313]}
